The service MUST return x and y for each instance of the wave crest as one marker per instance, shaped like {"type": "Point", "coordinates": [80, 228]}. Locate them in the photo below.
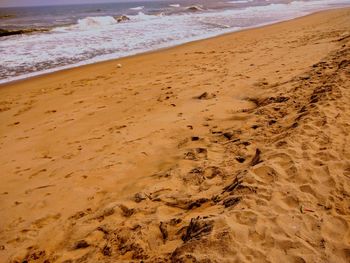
{"type": "Point", "coordinates": [98, 21]}
{"type": "Point", "coordinates": [89, 23]}
{"type": "Point", "coordinates": [137, 8]}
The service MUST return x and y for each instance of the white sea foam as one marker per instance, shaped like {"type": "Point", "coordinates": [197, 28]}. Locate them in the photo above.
{"type": "Point", "coordinates": [174, 5]}
{"type": "Point", "coordinates": [240, 1]}
{"type": "Point", "coordinates": [143, 17]}
{"type": "Point", "coordinates": [88, 23]}
{"type": "Point", "coordinates": [95, 39]}
{"type": "Point", "coordinates": [101, 21]}
{"type": "Point", "coordinates": [137, 8]}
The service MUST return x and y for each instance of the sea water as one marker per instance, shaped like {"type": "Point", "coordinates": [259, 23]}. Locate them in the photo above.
{"type": "Point", "coordinates": [83, 34]}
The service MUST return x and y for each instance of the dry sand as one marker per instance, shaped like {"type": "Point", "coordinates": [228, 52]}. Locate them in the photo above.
{"type": "Point", "coordinates": [232, 149]}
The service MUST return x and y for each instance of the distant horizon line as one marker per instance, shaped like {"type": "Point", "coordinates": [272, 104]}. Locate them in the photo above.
{"type": "Point", "coordinates": [74, 4]}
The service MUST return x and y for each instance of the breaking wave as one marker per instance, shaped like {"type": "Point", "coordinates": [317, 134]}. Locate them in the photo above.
{"type": "Point", "coordinates": [100, 21]}
{"type": "Point", "coordinates": [137, 8]}
{"type": "Point", "coordinates": [89, 23]}
{"type": "Point", "coordinates": [98, 38]}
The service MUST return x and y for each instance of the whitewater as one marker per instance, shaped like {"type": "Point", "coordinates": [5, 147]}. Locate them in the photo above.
{"type": "Point", "coordinates": [98, 38]}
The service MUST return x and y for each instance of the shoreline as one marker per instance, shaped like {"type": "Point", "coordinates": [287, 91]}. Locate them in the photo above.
{"type": "Point", "coordinates": [86, 64]}
{"type": "Point", "coordinates": [230, 149]}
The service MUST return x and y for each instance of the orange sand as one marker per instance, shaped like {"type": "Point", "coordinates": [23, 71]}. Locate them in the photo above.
{"type": "Point", "coordinates": [231, 149]}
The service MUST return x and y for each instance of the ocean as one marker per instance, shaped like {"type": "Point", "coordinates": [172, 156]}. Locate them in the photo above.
{"type": "Point", "coordinates": [60, 37]}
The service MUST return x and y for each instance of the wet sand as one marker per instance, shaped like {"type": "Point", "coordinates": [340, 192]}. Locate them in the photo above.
{"type": "Point", "coordinates": [231, 149]}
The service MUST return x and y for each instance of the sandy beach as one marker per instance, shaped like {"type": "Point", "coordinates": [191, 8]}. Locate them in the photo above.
{"type": "Point", "coordinates": [230, 149]}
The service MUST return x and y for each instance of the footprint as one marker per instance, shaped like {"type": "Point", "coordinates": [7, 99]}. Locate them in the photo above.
{"type": "Point", "coordinates": [334, 228]}
{"type": "Point", "coordinates": [266, 173]}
